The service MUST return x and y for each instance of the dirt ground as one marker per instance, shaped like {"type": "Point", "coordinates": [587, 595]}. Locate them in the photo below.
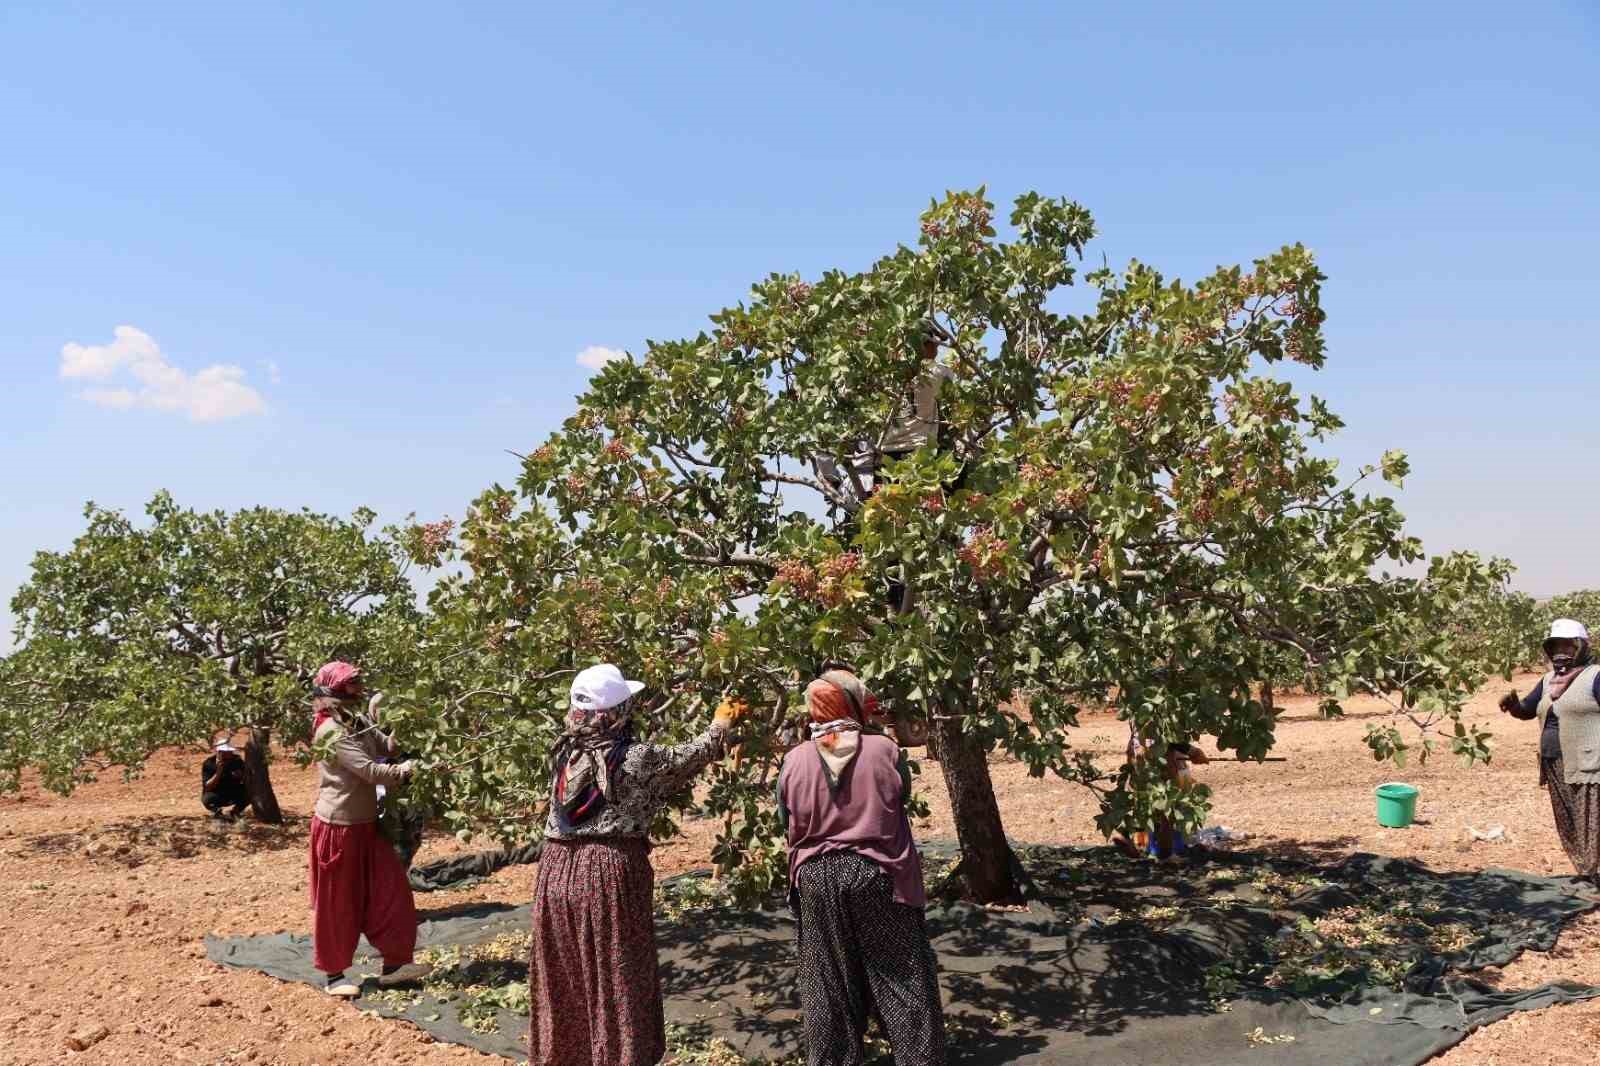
{"type": "Point", "coordinates": [105, 897]}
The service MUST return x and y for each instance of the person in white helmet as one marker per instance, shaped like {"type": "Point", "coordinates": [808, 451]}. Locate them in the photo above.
{"type": "Point", "coordinates": [1566, 703]}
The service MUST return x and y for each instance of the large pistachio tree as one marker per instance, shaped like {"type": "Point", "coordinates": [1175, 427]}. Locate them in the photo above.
{"type": "Point", "coordinates": [142, 635]}
{"type": "Point", "coordinates": [1112, 502]}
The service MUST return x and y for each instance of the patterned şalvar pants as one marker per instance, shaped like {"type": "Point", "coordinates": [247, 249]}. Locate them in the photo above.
{"type": "Point", "coordinates": [1577, 815]}
{"type": "Point", "coordinates": [862, 952]}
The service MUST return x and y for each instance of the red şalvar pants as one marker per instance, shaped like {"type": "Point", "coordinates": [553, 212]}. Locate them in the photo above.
{"type": "Point", "coordinates": [358, 886]}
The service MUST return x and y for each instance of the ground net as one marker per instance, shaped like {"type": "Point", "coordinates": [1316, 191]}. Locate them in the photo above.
{"type": "Point", "coordinates": [1117, 962]}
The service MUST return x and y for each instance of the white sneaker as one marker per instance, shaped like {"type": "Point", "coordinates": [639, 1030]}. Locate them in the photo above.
{"type": "Point", "coordinates": [411, 971]}
{"type": "Point", "coordinates": [343, 987]}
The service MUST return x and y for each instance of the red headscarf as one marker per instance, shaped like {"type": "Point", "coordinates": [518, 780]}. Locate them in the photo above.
{"type": "Point", "coordinates": [333, 685]}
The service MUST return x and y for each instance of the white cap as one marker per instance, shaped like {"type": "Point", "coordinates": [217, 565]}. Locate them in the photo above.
{"type": "Point", "coordinates": [223, 745]}
{"type": "Point", "coordinates": [601, 687]}
{"type": "Point", "coordinates": [1568, 629]}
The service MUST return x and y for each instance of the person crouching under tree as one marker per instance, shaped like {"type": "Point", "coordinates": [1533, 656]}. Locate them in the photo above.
{"type": "Point", "coordinates": [224, 783]}
{"type": "Point", "coordinates": [1164, 841]}
{"type": "Point", "coordinates": [358, 884]}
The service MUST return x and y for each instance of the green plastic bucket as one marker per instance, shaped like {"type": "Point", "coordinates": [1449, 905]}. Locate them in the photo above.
{"type": "Point", "coordinates": [1397, 804]}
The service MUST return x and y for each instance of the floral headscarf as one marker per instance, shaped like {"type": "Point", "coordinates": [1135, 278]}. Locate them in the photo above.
{"type": "Point", "coordinates": [587, 758]}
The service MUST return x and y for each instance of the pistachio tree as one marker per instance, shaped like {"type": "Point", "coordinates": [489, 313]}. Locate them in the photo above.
{"type": "Point", "coordinates": [1581, 604]}
{"type": "Point", "coordinates": [1115, 502]}
{"type": "Point", "coordinates": [190, 625]}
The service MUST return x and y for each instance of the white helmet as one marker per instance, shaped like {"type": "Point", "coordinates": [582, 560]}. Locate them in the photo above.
{"type": "Point", "coordinates": [1568, 629]}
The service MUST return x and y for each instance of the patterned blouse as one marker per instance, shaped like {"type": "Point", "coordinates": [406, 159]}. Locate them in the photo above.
{"type": "Point", "coordinates": [651, 775]}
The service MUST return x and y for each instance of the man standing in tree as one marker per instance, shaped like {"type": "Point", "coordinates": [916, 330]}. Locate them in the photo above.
{"type": "Point", "coordinates": [915, 423]}
{"type": "Point", "coordinates": [223, 783]}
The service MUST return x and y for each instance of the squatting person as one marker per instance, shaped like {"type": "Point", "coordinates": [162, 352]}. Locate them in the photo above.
{"type": "Point", "coordinates": [594, 988]}
{"type": "Point", "coordinates": [224, 783]}
{"type": "Point", "coordinates": [358, 884]}
{"type": "Point", "coordinates": [1566, 701]}
{"type": "Point", "coordinates": [855, 884]}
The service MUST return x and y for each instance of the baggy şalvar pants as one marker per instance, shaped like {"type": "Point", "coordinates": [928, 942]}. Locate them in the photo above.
{"type": "Point", "coordinates": [860, 953]}
{"type": "Point", "coordinates": [358, 886]}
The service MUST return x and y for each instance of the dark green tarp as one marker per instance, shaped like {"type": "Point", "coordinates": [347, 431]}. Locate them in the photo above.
{"type": "Point", "coordinates": [1110, 964]}
{"type": "Point", "coordinates": [466, 870]}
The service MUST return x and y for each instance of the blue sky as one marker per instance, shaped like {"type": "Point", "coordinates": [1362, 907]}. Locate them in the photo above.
{"type": "Point", "coordinates": [401, 223]}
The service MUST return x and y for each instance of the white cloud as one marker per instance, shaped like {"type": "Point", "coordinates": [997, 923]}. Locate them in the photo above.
{"type": "Point", "coordinates": [210, 394]}
{"type": "Point", "coordinates": [594, 357]}
{"type": "Point", "coordinates": [121, 399]}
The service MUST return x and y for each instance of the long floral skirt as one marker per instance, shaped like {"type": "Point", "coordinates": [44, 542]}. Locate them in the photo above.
{"type": "Point", "coordinates": [1577, 813]}
{"type": "Point", "coordinates": [594, 990]}
{"type": "Point", "coordinates": [860, 953]}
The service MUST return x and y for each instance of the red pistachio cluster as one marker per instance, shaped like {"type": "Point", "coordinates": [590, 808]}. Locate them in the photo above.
{"type": "Point", "coordinates": [798, 577]}
{"type": "Point", "coordinates": [1071, 499]}
{"type": "Point", "coordinates": [1033, 473]}
{"type": "Point", "coordinates": [984, 553]}
{"type": "Point", "coordinates": [436, 535]}
{"type": "Point", "coordinates": [827, 583]}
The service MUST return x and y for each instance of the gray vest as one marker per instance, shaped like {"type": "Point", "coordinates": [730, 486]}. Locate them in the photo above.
{"type": "Point", "coordinates": [1579, 726]}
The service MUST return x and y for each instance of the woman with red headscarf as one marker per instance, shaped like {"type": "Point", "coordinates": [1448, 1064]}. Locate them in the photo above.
{"type": "Point", "coordinates": [855, 884]}
{"type": "Point", "coordinates": [358, 884]}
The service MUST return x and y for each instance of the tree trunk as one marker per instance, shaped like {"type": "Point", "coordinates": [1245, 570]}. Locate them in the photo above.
{"type": "Point", "coordinates": [987, 867]}
{"type": "Point", "coordinates": [263, 801]}
{"type": "Point", "coordinates": [1267, 700]}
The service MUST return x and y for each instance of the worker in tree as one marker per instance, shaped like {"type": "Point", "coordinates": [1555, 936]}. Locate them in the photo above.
{"type": "Point", "coordinates": [224, 783]}
{"type": "Point", "coordinates": [916, 423]}
{"type": "Point", "coordinates": [1164, 841]}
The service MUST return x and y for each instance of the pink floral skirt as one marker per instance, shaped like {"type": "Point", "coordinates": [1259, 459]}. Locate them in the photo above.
{"type": "Point", "coordinates": [594, 990]}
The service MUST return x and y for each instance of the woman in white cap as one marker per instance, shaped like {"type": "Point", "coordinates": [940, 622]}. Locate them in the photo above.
{"type": "Point", "coordinates": [594, 990]}
{"type": "Point", "coordinates": [1567, 704]}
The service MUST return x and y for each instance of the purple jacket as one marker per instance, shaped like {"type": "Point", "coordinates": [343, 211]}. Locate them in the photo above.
{"type": "Point", "coordinates": [867, 815]}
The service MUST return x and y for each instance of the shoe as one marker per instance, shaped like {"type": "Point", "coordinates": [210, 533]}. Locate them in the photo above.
{"type": "Point", "coordinates": [403, 975]}
{"type": "Point", "coordinates": [341, 986]}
